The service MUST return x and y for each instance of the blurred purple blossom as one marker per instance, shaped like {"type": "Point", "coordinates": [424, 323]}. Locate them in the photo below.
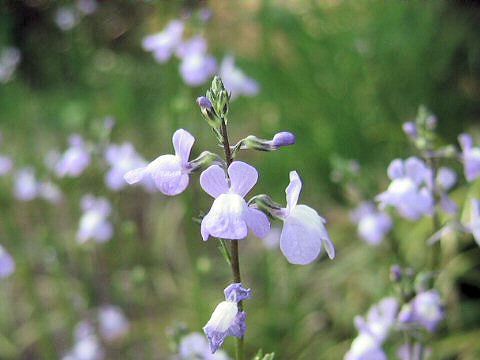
{"type": "Point", "coordinates": [25, 187]}
{"type": "Point", "coordinates": [470, 157]}
{"type": "Point", "coordinates": [86, 7]}
{"type": "Point", "coordinates": [195, 346]}
{"type": "Point", "coordinates": [373, 331]}
{"type": "Point", "coordinates": [75, 159]}
{"type": "Point", "coordinates": [121, 159]}
{"type": "Point", "coordinates": [87, 346]}
{"type": "Point", "coordinates": [229, 216]}
{"type": "Point", "coordinates": [409, 191]}
{"type": "Point", "coordinates": [94, 223]}
{"type": "Point", "coordinates": [235, 80]}
{"type": "Point", "coordinates": [164, 43]}
{"type": "Point", "coordinates": [113, 323]}
{"type": "Point", "coordinates": [226, 319]}
{"type": "Point", "coordinates": [66, 18]}
{"type": "Point", "coordinates": [474, 225]}
{"type": "Point", "coordinates": [9, 59]}
{"type": "Point", "coordinates": [197, 65]}
{"type": "Point", "coordinates": [373, 224]}
{"type": "Point", "coordinates": [410, 129]}
{"type": "Point", "coordinates": [425, 310]}
{"type": "Point", "coordinates": [170, 173]}
{"type": "Point", "coordinates": [50, 192]}
{"type": "Point", "coordinates": [445, 180]}
{"type": "Point", "coordinates": [6, 165]}
{"type": "Point", "coordinates": [7, 264]}
{"type": "Point", "coordinates": [304, 232]}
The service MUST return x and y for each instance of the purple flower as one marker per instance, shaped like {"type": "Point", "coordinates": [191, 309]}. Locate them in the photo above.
{"type": "Point", "coordinates": [86, 7]}
{"type": "Point", "coordinates": [226, 319]}
{"type": "Point", "coordinates": [235, 80]}
{"type": "Point", "coordinates": [445, 180]}
{"type": "Point", "coordinates": [170, 173]}
{"type": "Point", "coordinates": [50, 192]}
{"type": "Point", "coordinates": [380, 319]}
{"type": "Point", "coordinates": [112, 322]}
{"type": "Point", "coordinates": [410, 128]}
{"type": "Point", "coordinates": [364, 347]}
{"type": "Point", "coordinates": [87, 346]}
{"type": "Point", "coordinates": [7, 264]}
{"type": "Point", "coordinates": [9, 59]}
{"type": "Point", "coordinates": [373, 331]}
{"type": "Point", "coordinates": [75, 159]}
{"type": "Point", "coordinates": [26, 187]}
{"type": "Point", "coordinates": [197, 65]}
{"type": "Point", "coordinates": [66, 19]}
{"type": "Point", "coordinates": [425, 310]}
{"type": "Point", "coordinates": [195, 346]}
{"type": "Point", "coordinates": [304, 233]}
{"type": "Point", "coordinates": [6, 165]}
{"type": "Point", "coordinates": [94, 223]}
{"type": "Point", "coordinates": [122, 159]}
{"type": "Point", "coordinates": [164, 43]}
{"type": "Point", "coordinates": [230, 217]}
{"type": "Point", "coordinates": [470, 157]}
{"type": "Point", "coordinates": [409, 191]}
{"type": "Point", "coordinates": [373, 225]}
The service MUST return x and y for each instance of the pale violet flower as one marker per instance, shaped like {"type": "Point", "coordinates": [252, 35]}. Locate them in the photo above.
{"type": "Point", "coordinates": [373, 331]}
{"type": "Point", "coordinates": [75, 159]}
{"type": "Point", "coordinates": [470, 157]}
{"type": "Point", "coordinates": [425, 310]}
{"type": "Point", "coordinates": [113, 323]}
{"type": "Point", "coordinates": [304, 233]}
{"type": "Point", "coordinates": [197, 65]}
{"type": "Point", "coordinates": [66, 18]}
{"type": "Point", "coordinates": [87, 346]}
{"type": "Point", "coordinates": [50, 192]}
{"type": "Point", "coordinates": [235, 80]}
{"type": "Point", "coordinates": [373, 224]}
{"type": "Point", "coordinates": [226, 319]}
{"type": "Point", "coordinates": [379, 320]}
{"type": "Point", "coordinates": [445, 180]}
{"type": "Point", "coordinates": [170, 173]}
{"type": "Point", "coordinates": [7, 264]}
{"type": "Point", "coordinates": [94, 223]}
{"type": "Point", "coordinates": [86, 7]}
{"type": "Point", "coordinates": [195, 346]}
{"type": "Point", "coordinates": [6, 165]}
{"type": "Point", "coordinates": [409, 192]}
{"type": "Point", "coordinates": [9, 60]}
{"type": "Point", "coordinates": [121, 159]}
{"type": "Point", "coordinates": [163, 44]}
{"type": "Point", "coordinates": [364, 347]}
{"type": "Point", "coordinates": [26, 186]}
{"type": "Point", "coordinates": [230, 217]}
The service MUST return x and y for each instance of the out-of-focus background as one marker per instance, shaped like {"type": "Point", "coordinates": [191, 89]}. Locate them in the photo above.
{"type": "Point", "coordinates": [342, 77]}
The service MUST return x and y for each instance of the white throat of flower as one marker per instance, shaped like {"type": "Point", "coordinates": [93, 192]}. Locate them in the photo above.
{"type": "Point", "coordinates": [223, 316]}
{"type": "Point", "coordinates": [231, 204]}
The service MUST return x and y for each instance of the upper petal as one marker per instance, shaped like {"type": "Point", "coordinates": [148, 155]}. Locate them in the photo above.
{"type": "Point", "coordinates": [213, 181]}
{"type": "Point", "coordinates": [258, 222]}
{"type": "Point", "coordinates": [293, 190]}
{"type": "Point", "coordinates": [243, 177]}
{"type": "Point", "coordinates": [182, 143]}
{"type": "Point", "coordinates": [395, 169]}
{"type": "Point", "coordinates": [416, 170]}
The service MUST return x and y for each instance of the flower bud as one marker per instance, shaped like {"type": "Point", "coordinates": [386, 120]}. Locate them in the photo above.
{"type": "Point", "coordinates": [266, 204]}
{"type": "Point", "coordinates": [280, 139]}
{"type": "Point", "coordinates": [205, 159]}
{"type": "Point", "coordinates": [208, 112]}
{"type": "Point", "coordinates": [283, 138]}
{"type": "Point", "coordinates": [410, 129]}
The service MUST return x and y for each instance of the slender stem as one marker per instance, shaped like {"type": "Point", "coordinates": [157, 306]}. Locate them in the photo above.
{"type": "Point", "coordinates": [235, 263]}
{"type": "Point", "coordinates": [435, 253]}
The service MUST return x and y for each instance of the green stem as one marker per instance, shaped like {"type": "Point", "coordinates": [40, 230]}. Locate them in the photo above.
{"type": "Point", "coordinates": [235, 263]}
{"type": "Point", "coordinates": [435, 253]}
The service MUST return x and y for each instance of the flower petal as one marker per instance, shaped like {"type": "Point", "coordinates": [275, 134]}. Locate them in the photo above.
{"type": "Point", "coordinates": [239, 325]}
{"type": "Point", "coordinates": [236, 292]}
{"type": "Point", "coordinates": [182, 143]}
{"type": "Point", "coordinates": [258, 222]}
{"type": "Point", "coordinates": [417, 170]}
{"type": "Point", "coordinates": [135, 176]}
{"type": "Point", "coordinates": [302, 235]}
{"type": "Point", "coordinates": [168, 174]}
{"type": "Point", "coordinates": [395, 169]}
{"type": "Point", "coordinates": [293, 190]}
{"type": "Point", "coordinates": [213, 181]}
{"type": "Point", "coordinates": [203, 229]}
{"type": "Point", "coordinates": [243, 177]}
